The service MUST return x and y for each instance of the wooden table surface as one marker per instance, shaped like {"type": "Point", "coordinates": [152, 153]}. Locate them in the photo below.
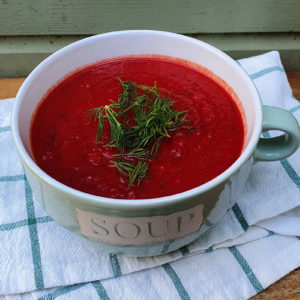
{"type": "Point", "coordinates": [287, 288]}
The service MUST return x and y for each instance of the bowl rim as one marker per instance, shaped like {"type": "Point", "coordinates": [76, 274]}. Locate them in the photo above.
{"type": "Point", "coordinates": [83, 197]}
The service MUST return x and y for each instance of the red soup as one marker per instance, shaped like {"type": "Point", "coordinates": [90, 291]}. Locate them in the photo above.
{"type": "Point", "coordinates": [63, 137]}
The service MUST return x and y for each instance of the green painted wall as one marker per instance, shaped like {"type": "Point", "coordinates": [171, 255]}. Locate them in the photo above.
{"type": "Point", "coordinates": [50, 17]}
{"type": "Point", "coordinates": [30, 30]}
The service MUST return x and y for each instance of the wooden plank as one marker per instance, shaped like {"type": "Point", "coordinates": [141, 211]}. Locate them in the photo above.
{"type": "Point", "coordinates": [35, 17]}
{"type": "Point", "coordinates": [287, 288]}
{"type": "Point", "coordinates": [9, 87]}
{"type": "Point", "coordinates": [294, 80]}
{"type": "Point", "coordinates": [19, 55]}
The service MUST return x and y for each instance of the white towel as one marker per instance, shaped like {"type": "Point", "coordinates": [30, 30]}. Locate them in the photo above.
{"type": "Point", "coordinates": [255, 244]}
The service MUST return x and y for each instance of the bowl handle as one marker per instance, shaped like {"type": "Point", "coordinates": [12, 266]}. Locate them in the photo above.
{"type": "Point", "coordinates": [276, 148]}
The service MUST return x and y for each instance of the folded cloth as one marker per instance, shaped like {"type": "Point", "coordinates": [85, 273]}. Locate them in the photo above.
{"type": "Point", "coordinates": [255, 244]}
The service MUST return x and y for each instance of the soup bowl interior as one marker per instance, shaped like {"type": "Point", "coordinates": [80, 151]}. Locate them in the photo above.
{"type": "Point", "coordinates": [91, 50]}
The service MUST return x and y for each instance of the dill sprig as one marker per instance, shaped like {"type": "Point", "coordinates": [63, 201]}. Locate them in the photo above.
{"type": "Point", "coordinates": [132, 171]}
{"type": "Point", "coordinates": [138, 122]}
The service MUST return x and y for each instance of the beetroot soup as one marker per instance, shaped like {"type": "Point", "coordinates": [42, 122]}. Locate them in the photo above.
{"type": "Point", "coordinates": [197, 135]}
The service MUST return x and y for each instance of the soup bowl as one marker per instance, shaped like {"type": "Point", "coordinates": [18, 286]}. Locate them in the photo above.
{"type": "Point", "coordinates": [154, 226]}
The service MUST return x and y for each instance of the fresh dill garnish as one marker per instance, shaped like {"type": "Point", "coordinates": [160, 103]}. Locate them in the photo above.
{"type": "Point", "coordinates": [139, 153]}
{"type": "Point", "coordinates": [132, 171]}
{"type": "Point", "coordinates": [138, 122]}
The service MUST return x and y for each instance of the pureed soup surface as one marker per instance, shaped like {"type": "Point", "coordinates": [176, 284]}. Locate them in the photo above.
{"type": "Point", "coordinates": [63, 138]}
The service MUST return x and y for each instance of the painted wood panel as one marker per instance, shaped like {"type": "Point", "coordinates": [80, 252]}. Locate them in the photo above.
{"type": "Point", "coordinates": [67, 17]}
{"type": "Point", "coordinates": [19, 55]}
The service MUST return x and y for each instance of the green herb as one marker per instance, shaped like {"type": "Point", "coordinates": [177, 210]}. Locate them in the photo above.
{"type": "Point", "coordinates": [131, 170]}
{"type": "Point", "coordinates": [138, 122]}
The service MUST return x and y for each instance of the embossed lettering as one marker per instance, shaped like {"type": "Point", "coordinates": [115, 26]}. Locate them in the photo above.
{"type": "Point", "coordinates": [181, 221]}
{"type": "Point", "coordinates": [128, 232]}
{"type": "Point", "coordinates": [103, 230]}
{"type": "Point", "coordinates": [158, 228]}
{"type": "Point", "coordinates": [125, 231]}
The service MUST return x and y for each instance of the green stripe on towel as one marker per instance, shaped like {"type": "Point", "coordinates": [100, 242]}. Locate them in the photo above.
{"type": "Point", "coordinates": [12, 178]}
{"type": "Point", "coordinates": [115, 265]}
{"type": "Point", "coordinates": [291, 172]}
{"type": "Point", "coordinates": [100, 290]}
{"type": "Point", "coordinates": [266, 71]}
{"type": "Point", "coordinates": [165, 248]}
{"type": "Point", "coordinates": [176, 281]}
{"type": "Point", "coordinates": [209, 250]}
{"type": "Point", "coordinates": [184, 250]}
{"type": "Point", "coordinates": [43, 220]}
{"type": "Point", "coordinates": [11, 226]}
{"type": "Point", "coordinates": [246, 268]}
{"type": "Point", "coordinates": [4, 129]}
{"type": "Point", "coordinates": [62, 291]}
{"type": "Point", "coordinates": [34, 239]}
{"type": "Point", "coordinates": [207, 222]}
{"type": "Point", "coordinates": [294, 109]}
{"type": "Point", "coordinates": [240, 217]}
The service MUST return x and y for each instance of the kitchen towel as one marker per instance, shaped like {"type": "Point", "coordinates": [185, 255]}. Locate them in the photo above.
{"type": "Point", "coordinates": [255, 244]}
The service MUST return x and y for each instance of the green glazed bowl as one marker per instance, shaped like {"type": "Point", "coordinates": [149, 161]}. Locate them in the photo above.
{"type": "Point", "coordinates": [150, 226]}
